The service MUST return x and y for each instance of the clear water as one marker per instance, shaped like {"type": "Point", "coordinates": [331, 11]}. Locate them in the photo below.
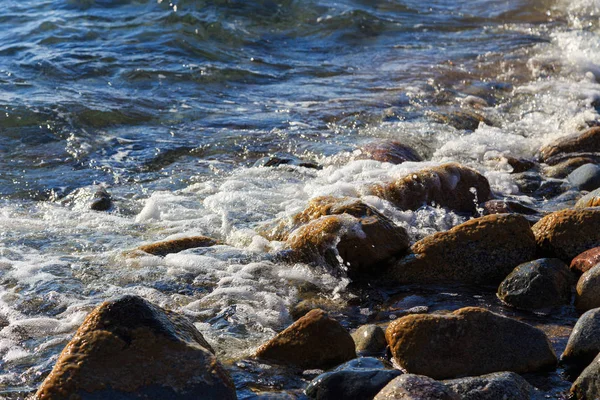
{"type": "Point", "coordinates": [169, 105]}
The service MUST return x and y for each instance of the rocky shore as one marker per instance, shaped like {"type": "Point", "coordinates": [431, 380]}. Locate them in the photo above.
{"type": "Point", "coordinates": [537, 262]}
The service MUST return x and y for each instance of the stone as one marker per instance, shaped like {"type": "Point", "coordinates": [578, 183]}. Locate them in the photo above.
{"type": "Point", "coordinates": [586, 177]}
{"type": "Point", "coordinates": [361, 378]}
{"type": "Point", "coordinates": [537, 284]}
{"type": "Point", "coordinates": [567, 233]}
{"type": "Point", "coordinates": [563, 168]}
{"type": "Point", "coordinates": [451, 185]}
{"type": "Point", "coordinates": [313, 341]}
{"type": "Point", "coordinates": [584, 343]}
{"type": "Point", "coordinates": [364, 245]}
{"type": "Point", "coordinates": [463, 120]}
{"type": "Point", "coordinates": [415, 387]}
{"type": "Point", "coordinates": [480, 251]}
{"type": "Point", "coordinates": [585, 260]}
{"type": "Point", "coordinates": [468, 342]}
{"type": "Point", "coordinates": [592, 199]}
{"type": "Point", "coordinates": [519, 164]}
{"type": "Point", "coordinates": [499, 385]}
{"type": "Point", "coordinates": [528, 182]}
{"type": "Point", "coordinates": [587, 385]}
{"type": "Point", "coordinates": [101, 200]}
{"type": "Point", "coordinates": [390, 151]}
{"type": "Point", "coordinates": [369, 340]}
{"type": "Point", "coordinates": [587, 291]}
{"type": "Point", "coordinates": [507, 207]}
{"type": "Point", "coordinates": [177, 245]}
{"type": "Point", "coordinates": [131, 349]}
{"type": "Point", "coordinates": [285, 159]}
{"type": "Point", "coordinates": [588, 141]}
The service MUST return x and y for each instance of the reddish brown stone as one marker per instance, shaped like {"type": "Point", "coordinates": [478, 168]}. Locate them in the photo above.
{"type": "Point", "coordinates": [585, 260]}
{"type": "Point", "coordinates": [388, 151]}
{"type": "Point", "coordinates": [588, 141]}
{"type": "Point", "coordinates": [177, 245]}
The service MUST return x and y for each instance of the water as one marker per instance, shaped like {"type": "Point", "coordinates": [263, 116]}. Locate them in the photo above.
{"type": "Point", "coordinates": [168, 105]}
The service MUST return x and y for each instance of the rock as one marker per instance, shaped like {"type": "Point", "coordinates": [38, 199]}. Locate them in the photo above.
{"type": "Point", "coordinates": [388, 151]}
{"type": "Point", "coordinates": [587, 291]}
{"type": "Point", "coordinates": [528, 182]}
{"type": "Point", "coordinates": [586, 177]}
{"type": "Point", "coordinates": [567, 233]}
{"type": "Point", "coordinates": [565, 167]}
{"type": "Point", "coordinates": [592, 199]}
{"type": "Point", "coordinates": [359, 379]}
{"type": "Point", "coordinates": [480, 251]}
{"type": "Point", "coordinates": [507, 207]}
{"type": "Point", "coordinates": [585, 260]}
{"type": "Point", "coordinates": [468, 342]}
{"type": "Point", "coordinates": [588, 141]}
{"type": "Point", "coordinates": [285, 159]}
{"type": "Point", "coordinates": [313, 341]}
{"type": "Point", "coordinates": [584, 343]}
{"type": "Point", "coordinates": [101, 200]}
{"type": "Point", "coordinates": [363, 244]}
{"type": "Point", "coordinates": [519, 164]}
{"type": "Point", "coordinates": [499, 385]}
{"type": "Point", "coordinates": [177, 245]}
{"type": "Point", "coordinates": [131, 349]}
{"type": "Point", "coordinates": [537, 284]}
{"type": "Point", "coordinates": [587, 385]}
{"type": "Point", "coordinates": [450, 185]}
{"type": "Point", "coordinates": [464, 120]}
{"type": "Point", "coordinates": [369, 340]}
{"type": "Point", "coordinates": [415, 387]}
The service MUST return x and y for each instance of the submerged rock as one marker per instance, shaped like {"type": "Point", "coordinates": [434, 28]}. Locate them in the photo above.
{"type": "Point", "coordinates": [131, 349]}
{"type": "Point", "coordinates": [587, 291]}
{"type": "Point", "coordinates": [567, 233]}
{"type": "Point", "coordinates": [586, 177]}
{"type": "Point", "coordinates": [389, 151]}
{"type": "Point", "coordinates": [592, 199]}
{"type": "Point", "coordinates": [313, 341]}
{"type": "Point", "coordinates": [369, 340]}
{"type": "Point", "coordinates": [588, 141]}
{"type": "Point", "coordinates": [496, 386]}
{"type": "Point", "coordinates": [465, 120]}
{"type": "Point", "coordinates": [416, 387]}
{"type": "Point", "coordinates": [584, 343]}
{"type": "Point", "coordinates": [362, 244]}
{"type": "Point", "coordinates": [101, 201]}
{"type": "Point", "coordinates": [177, 245]}
{"type": "Point", "coordinates": [359, 379]}
{"type": "Point", "coordinates": [537, 284]}
{"type": "Point", "coordinates": [585, 260]}
{"type": "Point", "coordinates": [507, 207]}
{"type": "Point", "coordinates": [468, 342]}
{"type": "Point", "coordinates": [450, 185]}
{"type": "Point", "coordinates": [587, 385]}
{"type": "Point", "coordinates": [285, 159]}
{"type": "Point", "coordinates": [482, 250]}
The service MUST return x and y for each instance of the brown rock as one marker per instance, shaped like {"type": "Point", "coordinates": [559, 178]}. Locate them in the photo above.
{"type": "Point", "coordinates": [507, 207]}
{"type": "Point", "coordinates": [482, 251]}
{"type": "Point", "coordinates": [567, 233]}
{"type": "Point", "coordinates": [563, 167]}
{"type": "Point", "coordinates": [313, 341]}
{"type": "Point", "coordinates": [470, 341]}
{"type": "Point", "coordinates": [587, 291]}
{"type": "Point", "coordinates": [585, 260]}
{"type": "Point", "coordinates": [363, 244]}
{"type": "Point", "coordinates": [587, 385]}
{"type": "Point", "coordinates": [132, 349]}
{"type": "Point", "coordinates": [177, 245]}
{"type": "Point", "coordinates": [467, 120]}
{"type": "Point", "coordinates": [369, 340]}
{"type": "Point", "coordinates": [592, 199]}
{"type": "Point", "coordinates": [588, 141]}
{"type": "Point", "coordinates": [388, 151]}
{"type": "Point", "coordinates": [415, 387]}
{"type": "Point", "coordinates": [519, 164]}
{"type": "Point", "coordinates": [449, 185]}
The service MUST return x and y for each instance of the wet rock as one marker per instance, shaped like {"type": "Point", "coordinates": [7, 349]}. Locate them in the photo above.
{"type": "Point", "coordinates": [527, 182]}
{"type": "Point", "coordinates": [369, 340]}
{"type": "Point", "coordinates": [131, 349]}
{"type": "Point", "coordinates": [565, 167]}
{"type": "Point", "coordinates": [588, 141]}
{"type": "Point", "coordinates": [449, 185]}
{"type": "Point", "coordinates": [567, 233]}
{"type": "Point", "coordinates": [585, 260]}
{"type": "Point", "coordinates": [499, 385]}
{"type": "Point", "coordinates": [468, 342]}
{"type": "Point", "coordinates": [586, 177]}
{"type": "Point", "coordinates": [464, 120]}
{"type": "Point", "coordinates": [507, 207]}
{"type": "Point", "coordinates": [285, 159]}
{"type": "Point", "coordinates": [519, 164]}
{"type": "Point", "coordinates": [592, 199]}
{"type": "Point", "coordinates": [359, 379]}
{"type": "Point", "coordinates": [177, 245]}
{"type": "Point", "coordinates": [313, 341]}
{"type": "Point", "coordinates": [587, 291]}
{"type": "Point", "coordinates": [584, 343]}
{"type": "Point", "coordinates": [537, 284]}
{"type": "Point", "coordinates": [388, 151]}
{"type": "Point", "coordinates": [101, 201]}
{"type": "Point", "coordinates": [480, 251]}
{"type": "Point", "coordinates": [363, 244]}
{"type": "Point", "coordinates": [415, 387]}
{"type": "Point", "coordinates": [587, 385]}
